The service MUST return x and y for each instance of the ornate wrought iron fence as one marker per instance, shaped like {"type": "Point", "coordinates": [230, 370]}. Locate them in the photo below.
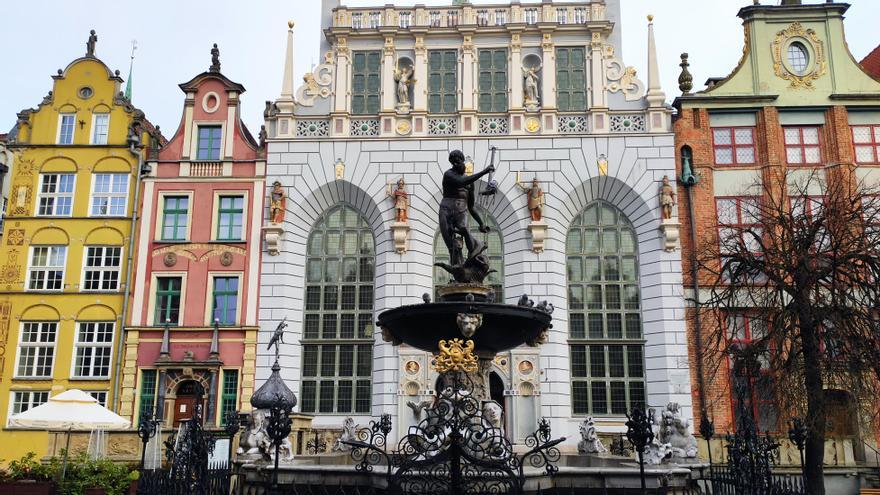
{"type": "Point", "coordinates": [454, 450]}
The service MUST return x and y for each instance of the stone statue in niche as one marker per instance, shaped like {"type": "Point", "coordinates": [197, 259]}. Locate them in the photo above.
{"type": "Point", "coordinates": [277, 202]}
{"type": "Point", "coordinates": [401, 201]}
{"type": "Point", "coordinates": [667, 198]}
{"type": "Point", "coordinates": [403, 77]}
{"type": "Point", "coordinates": [458, 198]}
{"type": "Point", "coordinates": [535, 198]}
{"type": "Point", "coordinates": [590, 443]}
{"type": "Point", "coordinates": [90, 44]}
{"type": "Point", "coordinates": [531, 85]}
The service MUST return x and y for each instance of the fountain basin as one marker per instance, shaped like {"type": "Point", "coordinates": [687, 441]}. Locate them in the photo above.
{"type": "Point", "coordinates": [504, 326]}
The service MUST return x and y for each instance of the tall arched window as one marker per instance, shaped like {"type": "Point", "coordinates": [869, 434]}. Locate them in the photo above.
{"type": "Point", "coordinates": [605, 328]}
{"type": "Point", "coordinates": [495, 252]}
{"type": "Point", "coordinates": [337, 339]}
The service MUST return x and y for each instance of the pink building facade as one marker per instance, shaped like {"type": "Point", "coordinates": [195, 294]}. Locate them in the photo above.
{"type": "Point", "coordinates": [192, 333]}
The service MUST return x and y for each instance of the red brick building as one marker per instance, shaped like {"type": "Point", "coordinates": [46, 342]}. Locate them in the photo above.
{"type": "Point", "coordinates": [802, 106]}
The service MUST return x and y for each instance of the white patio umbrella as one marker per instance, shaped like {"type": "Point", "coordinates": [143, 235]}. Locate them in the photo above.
{"type": "Point", "coordinates": [73, 410]}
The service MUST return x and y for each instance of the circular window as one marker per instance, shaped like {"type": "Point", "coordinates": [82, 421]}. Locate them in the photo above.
{"type": "Point", "coordinates": [86, 92]}
{"type": "Point", "coordinates": [798, 58]}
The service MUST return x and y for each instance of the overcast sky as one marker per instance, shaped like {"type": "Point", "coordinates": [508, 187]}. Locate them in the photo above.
{"type": "Point", "coordinates": [174, 38]}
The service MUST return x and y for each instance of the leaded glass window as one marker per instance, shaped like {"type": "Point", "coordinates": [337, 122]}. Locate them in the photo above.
{"type": "Point", "coordinates": [337, 329]}
{"type": "Point", "coordinates": [442, 81]}
{"type": "Point", "coordinates": [495, 252]}
{"type": "Point", "coordinates": [365, 79]}
{"type": "Point", "coordinates": [493, 80]}
{"type": "Point", "coordinates": [571, 79]}
{"type": "Point", "coordinates": [228, 394]}
{"type": "Point", "coordinates": [605, 327]}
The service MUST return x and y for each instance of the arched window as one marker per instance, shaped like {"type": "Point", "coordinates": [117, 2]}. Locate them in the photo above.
{"type": "Point", "coordinates": [605, 328]}
{"type": "Point", "coordinates": [337, 339]}
{"type": "Point", "coordinates": [495, 252]}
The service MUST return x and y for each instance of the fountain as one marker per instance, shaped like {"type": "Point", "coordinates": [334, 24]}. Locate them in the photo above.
{"type": "Point", "coordinates": [466, 308]}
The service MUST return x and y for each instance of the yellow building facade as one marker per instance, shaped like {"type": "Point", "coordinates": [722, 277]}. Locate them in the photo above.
{"type": "Point", "coordinates": [65, 245]}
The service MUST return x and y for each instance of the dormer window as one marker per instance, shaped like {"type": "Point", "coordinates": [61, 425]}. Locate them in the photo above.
{"type": "Point", "coordinates": [209, 142]}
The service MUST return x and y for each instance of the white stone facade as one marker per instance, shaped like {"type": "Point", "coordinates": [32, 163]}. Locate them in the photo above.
{"type": "Point", "coordinates": [636, 166]}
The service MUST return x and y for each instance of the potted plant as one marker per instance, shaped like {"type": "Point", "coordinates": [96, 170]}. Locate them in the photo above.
{"type": "Point", "coordinates": [27, 476]}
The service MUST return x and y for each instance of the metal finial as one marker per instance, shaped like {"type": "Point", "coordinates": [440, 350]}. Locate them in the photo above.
{"type": "Point", "coordinates": [290, 24]}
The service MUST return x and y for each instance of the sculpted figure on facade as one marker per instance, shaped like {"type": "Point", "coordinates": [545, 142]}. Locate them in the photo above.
{"type": "Point", "coordinates": [531, 85]}
{"type": "Point", "coordinates": [667, 198]}
{"type": "Point", "coordinates": [400, 198]}
{"type": "Point", "coordinates": [254, 436]}
{"type": "Point", "coordinates": [349, 434]}
{"type": "Point", "coordinates": [590, 443]}
{"type": "Point", "coordinates": [468, 323]}
{"type": "Point", "coordinates": [215, 59]}
{"type": "Point", "coordinates": [675, 431]}
{"type": "Point", "coordinates": [90, 44]}
{"type": "Point", "coordinates": [403, 77]}
{"type": "Point", "coordinates": [457, 203]}
{"type": "Point", "coordinates": [535, 199]}
{"type": "Point", "coordinates": [277, 203]}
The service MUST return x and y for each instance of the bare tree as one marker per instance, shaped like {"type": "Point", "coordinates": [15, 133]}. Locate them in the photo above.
{"type": "Point", "coordinates": [800, 258]}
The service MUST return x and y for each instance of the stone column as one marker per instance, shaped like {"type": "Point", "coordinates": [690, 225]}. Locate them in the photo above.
{"type": "Point", "coordinates": [159, 411]}
{"type": "Point", "coordinates": [211, 409]}
{"type": "Point", "coordinates": [548, 73]}
{"type": "Point", "coordinates": [420, 92]}
{"type": "Point", "coordinates": [598, 104]}
{"type": "Point", "coordinates": [469, 73]}
{"type": "Point", "coordinates": [516, 74]}
{"type": "Point", "coordinates": [341, 96]}
{"type": "Point", "coordinates": [389, 93]}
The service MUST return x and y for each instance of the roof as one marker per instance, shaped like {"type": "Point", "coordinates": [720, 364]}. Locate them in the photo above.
{"type": "Point", "coordinates": [871, 63]}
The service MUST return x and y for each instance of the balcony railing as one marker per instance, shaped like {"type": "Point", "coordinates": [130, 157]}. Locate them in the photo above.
{"type": "Point", "coordinates": [405, 18]}
{"type": "Point", "coordinates": [206, 169]}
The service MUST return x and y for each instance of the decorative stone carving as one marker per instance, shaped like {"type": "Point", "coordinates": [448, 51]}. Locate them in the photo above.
{"type": "Point", "coordinates": [668, 225]}
{"type": "Point", "coordinates": [622, 79]}
{"type": "Point", "coordinates": [817, 64]}
{"type": "Point", "coordinates": [455, 355]}
{"type": "Point", "coordinates": [273, 235]}
{"type": "Point", "coordinates": [468, 324]}
{"type": "Point", "coordinates": [403, 78]}
{"type": "Point", "coordinates": [226, 258]}
{"type": "Point", "coordinates": [400, 227]}
{"type": "Point", "coordinates": [90, 44]}
{"type": "Point", "coordinates": [254, 438]}
{"type": "Point", "coordinates": [215, 59]}
{"type": "Point", "coordinates": [339, 169]}
{"type": "Point", "coordinates": [277, 203]}
{"type": "Point", "coordinates": [685, 79]}
{"type": "Point", "coordinates": [493, 413]}
{"type": "Point", "coordinates": [349, 433]}
{"type": "Point", "coordinates": [531, 87]}
{"type": "Point", "coordinates": [316, 84]}
{"type": "Point", "coordinates": [590, 443]}
{"type": "Point", "coordinates": [417, 408]}
{"type": "Point", "coordinates": [170, 259]}
{"type": "Point", "coordinates": [675, 432]}
{"type": "Point", "coordinates": [535, 201]}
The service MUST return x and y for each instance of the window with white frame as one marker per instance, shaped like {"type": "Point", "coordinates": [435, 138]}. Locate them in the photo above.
{"type": "Point", "coordinates": [46, 270]}
{"type": "Point", "coordinates": [866, 139]}
{"type": "Point", "coordinates": [56, 195]}
{"type": "Point", "coordinates": [110, 195]}
{"type": "Point", "coordinates": [36, 349]}
{"type": "Point", "coordinates": [100, 396]}
{"type": "Point", "coordinates": [23, 400]}
{"type": "Point", "coordinates": [92, 349]}
{"type": "Point", "coordinates": [100, 128]}
{"type": "Point", "coordinates": [102, 268]}
{"type": "Point", "coordinates": [66, 124]}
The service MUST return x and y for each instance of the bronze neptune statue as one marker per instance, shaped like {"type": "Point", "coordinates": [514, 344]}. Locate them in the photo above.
{"type": "Point", "coordinates": [457, 203]}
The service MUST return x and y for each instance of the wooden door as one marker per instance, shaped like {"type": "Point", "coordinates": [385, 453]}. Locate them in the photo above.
{"type": "Point", "coordinates": [183, 408]}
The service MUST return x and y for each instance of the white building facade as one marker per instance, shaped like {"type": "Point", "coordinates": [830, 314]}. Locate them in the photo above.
{"type": "Point", "coordinates": [598, 140]}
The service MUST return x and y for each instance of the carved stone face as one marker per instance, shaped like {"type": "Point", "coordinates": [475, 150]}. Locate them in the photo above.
{"type": "Point", "coordinates": [468, 324]}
